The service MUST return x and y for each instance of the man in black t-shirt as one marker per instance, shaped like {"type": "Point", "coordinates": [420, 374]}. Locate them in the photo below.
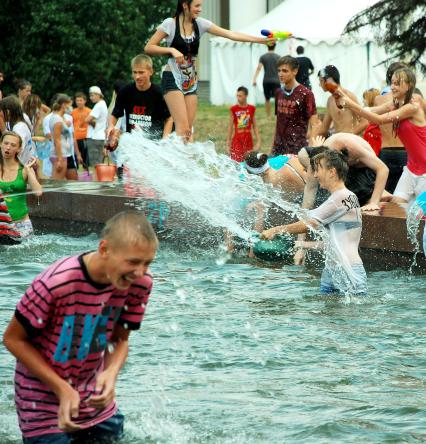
{"type": "Point", "coordinates": [305, 68]}
{"type": "Point", "coordinates": [142, 103]}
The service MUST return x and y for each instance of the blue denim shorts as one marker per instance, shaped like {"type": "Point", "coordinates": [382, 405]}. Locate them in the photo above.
{"type": "Point", "coordinates": [357, 287]}
{"type": "Point", "coordinates": [107, 432]}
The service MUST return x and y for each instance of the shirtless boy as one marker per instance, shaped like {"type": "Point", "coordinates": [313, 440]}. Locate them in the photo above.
{"type": "Point", "coordinates": [344, 120]}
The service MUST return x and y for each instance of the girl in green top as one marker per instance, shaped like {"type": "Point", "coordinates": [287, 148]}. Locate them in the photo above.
{"type": "Point", "coordinates": [14, 178]}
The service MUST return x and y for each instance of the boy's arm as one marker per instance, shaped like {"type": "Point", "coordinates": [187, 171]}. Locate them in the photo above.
{"type": "Point", "coordinates": [258, 69]}
{"type": "Point", "coordinates": [382, 172]}
{"type": "Point", "coordinates": [229, 133]}
{"type": "Point", "coordinates": [16, 340]}
{"type": "Point", "coordinates": [115, 357]}
{"type": "Point", "coordinates": [257, 135]}
{"type": "Point", "coordinates": [295, 228]}
{"type": "Point", "coordinates": [326, 122]}
{"type": "Point", "coordinates": [112, 122]}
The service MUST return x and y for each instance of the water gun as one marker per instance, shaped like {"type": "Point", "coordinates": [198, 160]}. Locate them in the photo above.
{"type": "Point", "coordinates": [279, 35]}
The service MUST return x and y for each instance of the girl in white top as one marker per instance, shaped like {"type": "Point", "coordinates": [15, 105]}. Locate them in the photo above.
{"type": "Point", "coordinates": [64, 144]}
{"type": "Point", "coordinates": [179, 80]}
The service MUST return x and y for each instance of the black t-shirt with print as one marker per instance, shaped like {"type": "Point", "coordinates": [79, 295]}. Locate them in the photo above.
{"type": "Point", "coordinates": [144, 110]}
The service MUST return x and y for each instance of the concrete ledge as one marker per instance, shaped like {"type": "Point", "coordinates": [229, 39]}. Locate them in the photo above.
{"type": "Point", "coordinates": [83, 205]}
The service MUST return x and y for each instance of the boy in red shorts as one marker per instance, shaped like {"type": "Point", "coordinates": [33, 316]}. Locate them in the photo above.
{"type": "Point", "coordinates": [241, 125]}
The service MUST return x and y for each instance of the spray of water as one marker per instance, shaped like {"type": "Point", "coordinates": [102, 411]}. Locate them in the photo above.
{"type": "Point", "coordinates": [212, 185]}
{"type": "Point", "coordinates": [414, 216]}
{"type": "Point", "coordinates": [196, 177]}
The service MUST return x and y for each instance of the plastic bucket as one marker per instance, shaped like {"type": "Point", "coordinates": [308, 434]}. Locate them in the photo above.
{"type": "Point", "coordinates": [105, 172]}
{"type": "Point", "coordinates": [85, 176]}
{"type": "Point", "coordinates": [280, 248]}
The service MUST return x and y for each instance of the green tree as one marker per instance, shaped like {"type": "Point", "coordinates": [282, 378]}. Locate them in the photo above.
{"type": "Point", "coordinates": [69, 45]}
{"type": "Point", "coordinates": [400, 26]}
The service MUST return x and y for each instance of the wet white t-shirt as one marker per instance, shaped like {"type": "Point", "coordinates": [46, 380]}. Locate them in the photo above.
{"type": "Point", "coordinates": [340, 214]}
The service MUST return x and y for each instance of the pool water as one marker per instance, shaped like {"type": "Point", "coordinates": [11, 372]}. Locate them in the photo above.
{"type": "Point", "coordinates": [247, 353]}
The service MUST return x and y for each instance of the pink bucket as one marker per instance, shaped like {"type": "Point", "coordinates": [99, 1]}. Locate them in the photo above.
{"type": "Point", "coordinates": [85, 176]}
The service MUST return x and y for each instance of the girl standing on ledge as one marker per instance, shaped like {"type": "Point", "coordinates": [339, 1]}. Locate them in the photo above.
{"type": "Point", "coordinates": [179, 80]}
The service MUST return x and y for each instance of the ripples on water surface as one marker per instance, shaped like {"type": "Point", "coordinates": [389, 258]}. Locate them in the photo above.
{"type": "Point", "coordinates": [240, 353]}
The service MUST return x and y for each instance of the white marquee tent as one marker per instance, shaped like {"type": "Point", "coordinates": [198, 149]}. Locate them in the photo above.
{"type": "Point", "coordinates": [320, 24]}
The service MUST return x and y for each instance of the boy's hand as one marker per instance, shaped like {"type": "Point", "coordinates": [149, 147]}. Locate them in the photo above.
{"type": "Point", "coordinates": [318, 141]}
{"type": "Point", "coordinates": [269, 234]}
{"type": "Point", "coordinates": [299, 257]}
{"type": "Point", "coordinates": [105, 386]}
{"type": "Point", "coordinates": [69, 401]}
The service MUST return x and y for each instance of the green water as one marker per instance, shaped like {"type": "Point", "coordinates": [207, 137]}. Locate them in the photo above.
{"type": "Point", "coordinates": [240, 353]}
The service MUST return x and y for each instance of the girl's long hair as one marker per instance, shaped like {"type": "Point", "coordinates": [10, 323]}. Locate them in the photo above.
{"type": "Point", "coordinates": [179, 7]}
{"type": "Point", "coordinates": [12, 111]}
{"type": "Point", "coordinates": [59, 100]}
{"type": "Point", "coordinates": [407, 76]}
{"type": "Point", "coordinates": [8, 133]}
{"type": "Point", "coordinates": [31, 108]}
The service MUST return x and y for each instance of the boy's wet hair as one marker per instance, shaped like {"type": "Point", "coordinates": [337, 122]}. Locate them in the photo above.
{"type": "Point", "coordinates": [141, 59]}
{"type": "Point", "coordinates": [128, 227]}
{"type": "Point", "coordinates": [255, 159]}
{"type": "Point", "coordinates": [292, 62]}
{"type": "Point", "coordinates": [330, 71]}
{"type": "Point", "coordinates": [243, 89]}
{"type": "Point", "coordinates": [333, 159]}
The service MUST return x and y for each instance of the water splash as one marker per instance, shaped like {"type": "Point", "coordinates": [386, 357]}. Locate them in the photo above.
{"type": "Point", "coordinates": [414, 216]}
{"type": "Point", "coordinates": [196, 177]}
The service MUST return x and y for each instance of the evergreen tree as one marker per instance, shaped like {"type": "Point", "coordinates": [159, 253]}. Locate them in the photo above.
{"type": "Point", "coordinates": [69, 45]}
{"type": "Point", "coordinates": [400, 26]}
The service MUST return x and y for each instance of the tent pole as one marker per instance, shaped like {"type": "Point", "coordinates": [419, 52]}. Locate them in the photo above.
{"type": "Point", "coordinates": [368, 47]}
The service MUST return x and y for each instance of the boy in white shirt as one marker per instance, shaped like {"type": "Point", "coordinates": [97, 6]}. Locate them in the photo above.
{"type": "Point", "coordinates": [340, 215]}
{"type": "Point", "coordinates": [97, 120]}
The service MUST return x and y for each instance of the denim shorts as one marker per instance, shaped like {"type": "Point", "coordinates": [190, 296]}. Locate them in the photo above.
{"type": "Point", "coordinates": [107, 432]}
{"type": "Point", "coordinates": [168, 83]}
{"type": "Point", "coordinates": [357, 287]}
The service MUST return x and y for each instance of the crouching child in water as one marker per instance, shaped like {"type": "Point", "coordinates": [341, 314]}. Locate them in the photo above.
{"type": "Point", "coordinates": [340, 215]}
{"type": "Point", "coordinates": [70, 336]}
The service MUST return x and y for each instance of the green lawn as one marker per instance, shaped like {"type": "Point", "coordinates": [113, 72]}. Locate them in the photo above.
{"type": "Point", "coordinates": [212, 124]}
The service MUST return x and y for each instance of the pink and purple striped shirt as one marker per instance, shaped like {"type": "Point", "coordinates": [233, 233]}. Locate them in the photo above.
{"type": "Point", "coordinates": [69, 318]}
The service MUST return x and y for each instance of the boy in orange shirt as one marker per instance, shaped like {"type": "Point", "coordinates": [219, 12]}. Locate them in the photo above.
{"type": "Point", "coordinates": [79, 115]}
{"type": "Point", "coordinates": [242, 123]}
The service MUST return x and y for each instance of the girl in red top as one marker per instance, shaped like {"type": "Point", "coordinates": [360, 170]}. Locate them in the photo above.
{"type": "Point", "coordinates": [241, 125]}
{"type": "Point", "coordinates": [372, 133]}
{"type": "Point", "coordinates": [408, 118]}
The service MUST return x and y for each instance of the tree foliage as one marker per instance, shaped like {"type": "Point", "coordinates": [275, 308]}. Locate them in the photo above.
{"type": "Point", "coordinates": [400, 26]}
{"type": "Point", "coordinates": [69, 45]}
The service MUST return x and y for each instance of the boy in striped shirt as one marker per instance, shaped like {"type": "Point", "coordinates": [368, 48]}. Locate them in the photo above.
{"type": "Point", "coordinates": [70, 336]}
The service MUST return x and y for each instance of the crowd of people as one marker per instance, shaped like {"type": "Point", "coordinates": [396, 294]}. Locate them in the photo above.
{"type": "Point", "coordinates": [360, 155]}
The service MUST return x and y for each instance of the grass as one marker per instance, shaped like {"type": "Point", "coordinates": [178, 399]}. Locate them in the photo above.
{"type": "Point", "coordinates": [212, 124]}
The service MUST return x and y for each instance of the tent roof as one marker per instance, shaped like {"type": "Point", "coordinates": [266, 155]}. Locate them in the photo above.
{"type": "Point", "coordinates": [313, 20]}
